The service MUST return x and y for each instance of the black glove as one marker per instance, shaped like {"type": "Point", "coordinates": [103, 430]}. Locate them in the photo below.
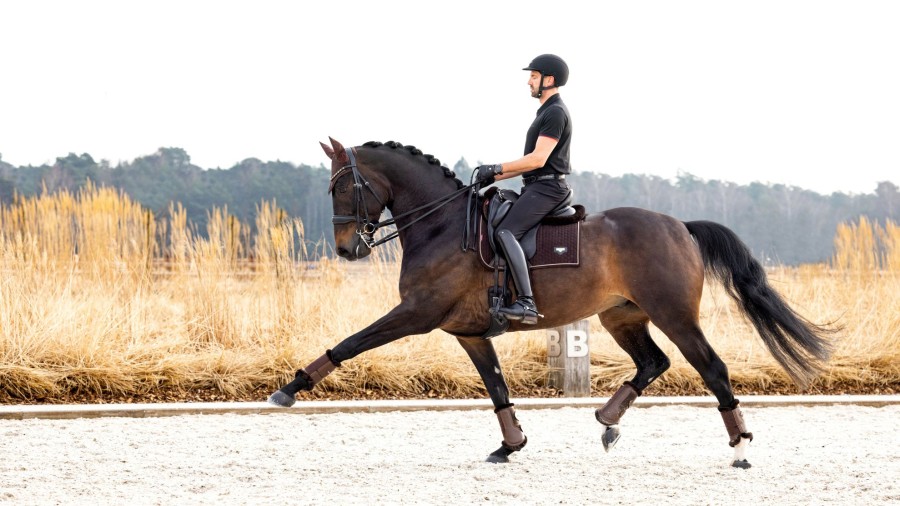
{"type": "Point", "coordinates": [487, 173]}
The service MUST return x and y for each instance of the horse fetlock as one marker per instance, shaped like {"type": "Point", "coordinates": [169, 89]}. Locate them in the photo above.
{"type": "Point", "coordinates": [611, 412]}
{"type": "Point", "coordinates": [315, 372]}
{"type": "Point", "coordinates": [513, 437]}
{"type": "Point", "coordinates": [734, 424]}
{"type": "Point", "coordinates": [740, 454]}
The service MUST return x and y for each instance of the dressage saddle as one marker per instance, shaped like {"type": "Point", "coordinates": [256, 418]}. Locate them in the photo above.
{"type": "Point", "coordinates": [498, 204]}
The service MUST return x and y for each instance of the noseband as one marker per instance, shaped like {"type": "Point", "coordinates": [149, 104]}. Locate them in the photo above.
{"type": "Point", "coordinates": [366, 227]}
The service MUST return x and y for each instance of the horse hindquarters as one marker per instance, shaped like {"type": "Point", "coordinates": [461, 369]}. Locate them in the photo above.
{"type": "Point", "coordinates": [659, 270]}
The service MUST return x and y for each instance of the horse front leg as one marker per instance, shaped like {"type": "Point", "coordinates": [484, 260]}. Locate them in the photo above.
{"type": "Point", "coordinates": [402, 321]}
{"type": "Point", "coordinates": [482, 353]}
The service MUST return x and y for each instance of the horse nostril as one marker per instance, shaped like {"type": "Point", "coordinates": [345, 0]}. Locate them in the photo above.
{"type": "Point", "coordinates": [342, 252]}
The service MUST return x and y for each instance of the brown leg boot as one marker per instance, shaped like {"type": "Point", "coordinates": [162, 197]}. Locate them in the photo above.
{"type": "Point", "coordinates": [738, 436]}
{"type": "Point", "coordinates": [513, 437]}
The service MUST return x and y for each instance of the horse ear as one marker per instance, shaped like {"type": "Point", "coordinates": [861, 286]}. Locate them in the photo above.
{"type": "Point", "coordinates": [328, 150]}
{"type": "Point", "coordinates": [340, 154]}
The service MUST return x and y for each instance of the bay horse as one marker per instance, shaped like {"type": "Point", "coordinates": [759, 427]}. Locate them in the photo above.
{"type": "Point", "coordinates": [636, 267]}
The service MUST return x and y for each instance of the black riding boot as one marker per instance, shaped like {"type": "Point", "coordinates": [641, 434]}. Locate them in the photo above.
{"type": "Point", "coordinates": [524, 307]}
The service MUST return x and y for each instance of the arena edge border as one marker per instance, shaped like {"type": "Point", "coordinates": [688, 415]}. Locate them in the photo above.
{"type": "Point", "coordinates": [71, 411]}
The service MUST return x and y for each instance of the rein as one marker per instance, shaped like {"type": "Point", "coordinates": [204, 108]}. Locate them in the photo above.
{"type": "Point", "coordinates": [365, 227]}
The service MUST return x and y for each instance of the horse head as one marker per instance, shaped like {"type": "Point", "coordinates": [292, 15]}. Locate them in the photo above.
{"type": "Point", "coordinates": [356, 203]}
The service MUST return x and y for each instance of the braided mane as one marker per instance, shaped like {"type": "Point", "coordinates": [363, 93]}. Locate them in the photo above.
{"type": "Point", "coordinates": [414, 151]}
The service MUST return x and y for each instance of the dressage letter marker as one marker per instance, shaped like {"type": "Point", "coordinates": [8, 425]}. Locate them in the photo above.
{"type": "Point", "coordinates": [576, 343]}
{"type": "Point", "coordinates": [570, 371]}
{"type": "Point", "coordinates": [553, 348]}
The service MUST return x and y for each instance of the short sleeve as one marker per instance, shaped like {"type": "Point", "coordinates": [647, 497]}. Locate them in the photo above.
{"type": "Point", "coordinates": [553, 123]}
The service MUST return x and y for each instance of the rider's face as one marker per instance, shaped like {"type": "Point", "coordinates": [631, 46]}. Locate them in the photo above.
{"type": "Point", "coordinates": [534, 82]}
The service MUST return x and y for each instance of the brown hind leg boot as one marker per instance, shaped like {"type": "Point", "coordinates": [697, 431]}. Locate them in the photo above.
{"type": "Point", "coordinates": [734, 423]}
{"type": "Point", "coordinates": [513, 437]}
{"type": "Point", "coordinates": [615, 407]}
{"type": "Point", "coordinates": [315, 372]}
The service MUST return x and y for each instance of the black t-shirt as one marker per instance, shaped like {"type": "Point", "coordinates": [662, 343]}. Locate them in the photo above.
{"type": "Point", "coordinates": [552, 121]}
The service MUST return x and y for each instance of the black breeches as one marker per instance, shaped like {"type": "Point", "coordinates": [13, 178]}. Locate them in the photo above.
{"type": "Point", "coordinates": [535, 202]}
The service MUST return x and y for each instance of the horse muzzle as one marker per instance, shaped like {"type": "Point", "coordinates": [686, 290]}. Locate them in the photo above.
{"type": "Point", "coordinates": [354, 248]}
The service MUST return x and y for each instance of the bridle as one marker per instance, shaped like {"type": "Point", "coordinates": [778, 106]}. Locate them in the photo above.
{"type": "Point", "coordinates": [365, 226]}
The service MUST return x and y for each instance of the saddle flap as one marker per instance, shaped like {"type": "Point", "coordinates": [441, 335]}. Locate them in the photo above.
{"type": "Point", "coordinates": [498, 203]}
{"type": "Point", "coordinates": [498, 212]}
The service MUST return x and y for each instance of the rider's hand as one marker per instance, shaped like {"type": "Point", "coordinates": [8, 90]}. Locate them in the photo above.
{"type": "Point", "coordinates": [487, 173]}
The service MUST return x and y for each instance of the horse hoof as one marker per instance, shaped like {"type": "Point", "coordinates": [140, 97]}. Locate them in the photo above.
{"type": "Point", "coordinates": [281, 399]}
{"type": "Point", "coordinates": [500, 456]}
{"type": "Point", "coordinates": [741, 464]}
{"type": "Point", "coordinates": [610, 437]}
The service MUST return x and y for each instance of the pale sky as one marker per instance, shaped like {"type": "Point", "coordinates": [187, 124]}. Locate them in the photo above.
{"type": "Point", "coordinates": [803, 93]}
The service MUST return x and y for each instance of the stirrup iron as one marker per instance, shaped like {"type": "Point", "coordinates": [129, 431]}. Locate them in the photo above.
{"type": "Point", "coordinates": [524, 310]}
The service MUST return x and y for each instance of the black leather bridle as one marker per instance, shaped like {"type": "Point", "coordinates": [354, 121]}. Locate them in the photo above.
{"type": "Point", "coordinates": [365, 226]}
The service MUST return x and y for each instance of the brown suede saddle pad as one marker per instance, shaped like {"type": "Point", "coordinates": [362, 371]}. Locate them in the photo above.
{"type": "Point", "coordinates": [555, 244]}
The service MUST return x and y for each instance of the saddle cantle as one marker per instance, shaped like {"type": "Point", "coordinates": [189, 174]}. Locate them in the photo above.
{"type": "Point", "coordinates": [552, 243]}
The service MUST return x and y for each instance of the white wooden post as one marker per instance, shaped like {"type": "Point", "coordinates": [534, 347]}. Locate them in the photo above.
{"type": "Point", "coordinates": [569, 359]}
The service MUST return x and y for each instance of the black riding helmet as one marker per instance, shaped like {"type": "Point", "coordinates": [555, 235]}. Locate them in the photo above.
{"type": "Point", "coordinates": [550, 65]}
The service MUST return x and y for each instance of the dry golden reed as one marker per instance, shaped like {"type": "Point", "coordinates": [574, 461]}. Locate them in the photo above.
{"type": "Point", "coordinates": [99, 297]}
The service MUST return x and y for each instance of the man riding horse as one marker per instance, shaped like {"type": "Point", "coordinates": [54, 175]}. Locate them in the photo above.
{"type": "Point", "coordinates": [543, 169]}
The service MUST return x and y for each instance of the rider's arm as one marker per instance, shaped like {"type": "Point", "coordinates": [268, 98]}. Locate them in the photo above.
{"type": "Point", "coordinates": [534, 160]}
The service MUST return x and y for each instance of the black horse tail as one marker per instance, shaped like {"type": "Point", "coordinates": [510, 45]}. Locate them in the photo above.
{"type": "Point", "coordinates": [799, 345]}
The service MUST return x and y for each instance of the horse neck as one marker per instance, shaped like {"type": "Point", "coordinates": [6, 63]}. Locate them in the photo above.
{"type": "Point", "coordinates": [417, 186]}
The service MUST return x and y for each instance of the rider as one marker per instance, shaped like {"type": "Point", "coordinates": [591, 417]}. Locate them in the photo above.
{"type": "Point", "coordinates": [543, 170]}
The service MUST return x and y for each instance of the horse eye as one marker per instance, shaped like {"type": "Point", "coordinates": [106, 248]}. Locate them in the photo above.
{"type": "Point", "coordinates": [341, 188]}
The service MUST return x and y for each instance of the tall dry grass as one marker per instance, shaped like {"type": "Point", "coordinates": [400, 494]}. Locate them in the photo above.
{"type": "Point", "coordinates": [98, 297]}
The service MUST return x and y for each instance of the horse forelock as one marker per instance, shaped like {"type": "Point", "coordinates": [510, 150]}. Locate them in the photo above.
{"type": "Point", "coordinates": [415, 153]}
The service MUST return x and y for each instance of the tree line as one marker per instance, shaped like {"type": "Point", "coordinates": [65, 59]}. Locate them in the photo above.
{"type": "Point", "coordinates": [781, 224]}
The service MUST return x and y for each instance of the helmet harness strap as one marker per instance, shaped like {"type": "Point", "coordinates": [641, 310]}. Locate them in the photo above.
{"type": "Point", "coordinates": [541, 86]}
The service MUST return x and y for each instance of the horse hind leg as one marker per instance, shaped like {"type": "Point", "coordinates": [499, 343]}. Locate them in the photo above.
{"type": "Point", "coordinates": [692, 343]}
{"type": "Point", "coordinates": [739, 437]}
{"type": "Point", "coordinates": [628, 326]}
